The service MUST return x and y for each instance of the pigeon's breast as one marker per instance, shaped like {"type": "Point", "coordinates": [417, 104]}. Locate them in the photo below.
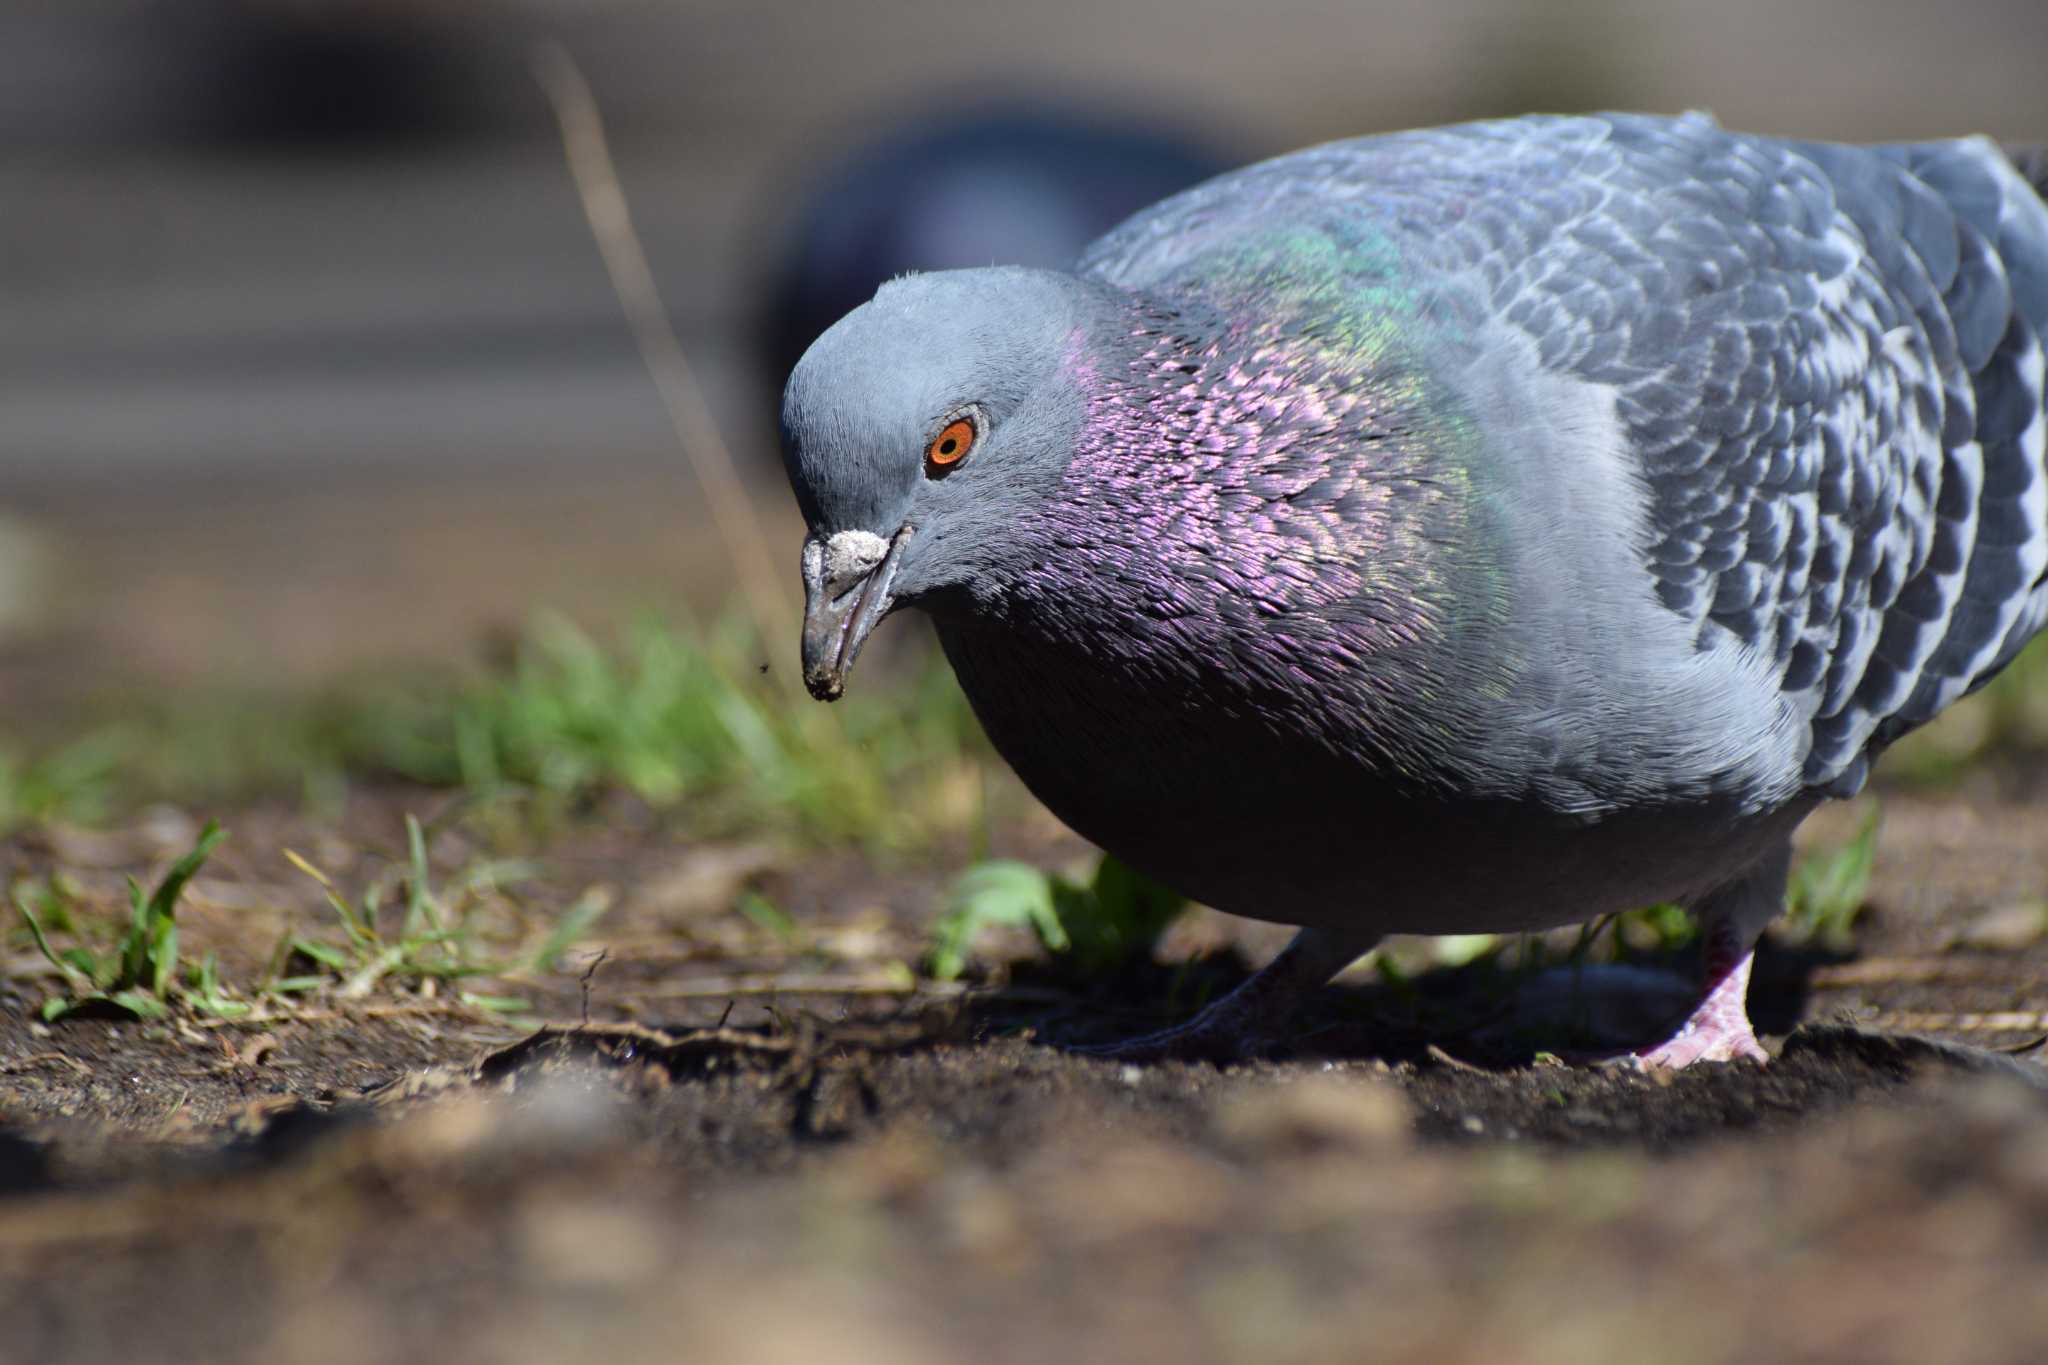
{"type": "Point", "coordinates": [1259, 818]}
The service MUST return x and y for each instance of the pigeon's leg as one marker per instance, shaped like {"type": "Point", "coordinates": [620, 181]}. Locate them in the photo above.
{"type": "Point", "coordinates": [1730, 919]}
{"type": "Point", "coordinates": [1254, 1016]}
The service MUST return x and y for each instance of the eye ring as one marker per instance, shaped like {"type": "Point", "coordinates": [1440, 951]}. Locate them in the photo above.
{"type": "Point", "coordinates": [951, 445]}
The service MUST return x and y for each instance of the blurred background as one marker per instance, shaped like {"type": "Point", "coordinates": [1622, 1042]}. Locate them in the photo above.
{"type": "Point", "coordinates": [307, 361]}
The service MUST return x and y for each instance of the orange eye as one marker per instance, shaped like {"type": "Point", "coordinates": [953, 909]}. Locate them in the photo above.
{"type": "Point", "coordinates": [950, 446]}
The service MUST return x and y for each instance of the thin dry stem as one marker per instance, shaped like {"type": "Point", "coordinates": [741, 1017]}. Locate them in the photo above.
{"type": "Point", "coordinates": [797, 983]}
{"type": "Point", "coordinates": [1943, 1021]}
{"type": "Point", "coordinates": [1873, 971]}
{"type": "Point", "coordinates": [611, 223]}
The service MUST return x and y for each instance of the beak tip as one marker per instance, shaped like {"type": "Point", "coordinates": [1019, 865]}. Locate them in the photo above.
{"type": "Point", "coordinates": [839, 614]}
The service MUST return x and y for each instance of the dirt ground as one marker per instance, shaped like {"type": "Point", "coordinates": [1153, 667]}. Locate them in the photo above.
{"type": "Point", "coordinates": [730, 1139]}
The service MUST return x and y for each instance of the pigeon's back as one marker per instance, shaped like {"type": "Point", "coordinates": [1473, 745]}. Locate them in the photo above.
{"type": "Point", "coordinates": [1827, 361]}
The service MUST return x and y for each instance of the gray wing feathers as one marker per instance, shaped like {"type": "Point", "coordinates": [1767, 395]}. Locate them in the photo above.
{"type": "Point", "coordinates": [1997, 298]}
{"type": "Point", "coordinates": [1861, 490]}
{"type": "Point", "coordinates": [1827, 359]}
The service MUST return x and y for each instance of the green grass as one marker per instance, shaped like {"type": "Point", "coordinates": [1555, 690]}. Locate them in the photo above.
{"type": "Point", "coordinates": [1093, 926]}
{"type": "Point", "coordinates": [1828, 889]}
{"type": "Point", "coordinates": [676, 717]}
{"type": "Point", "coordinates": [435, 938]}
{"type": "Point", "coordinates": [138, 974]}
{"type": "Point", "coordinates": [405, 932]}
{"type": "Point", "coordinates": [686, 718]}
{"type": "Point", "coordinates": [75, 783]}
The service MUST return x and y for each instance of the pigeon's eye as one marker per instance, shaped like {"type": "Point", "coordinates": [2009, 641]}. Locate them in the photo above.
{"type": "Point", "coordinates": [950, 446]}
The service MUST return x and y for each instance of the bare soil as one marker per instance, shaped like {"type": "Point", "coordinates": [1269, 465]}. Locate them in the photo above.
{"type": "Point", "coordinates": [731, 1141]}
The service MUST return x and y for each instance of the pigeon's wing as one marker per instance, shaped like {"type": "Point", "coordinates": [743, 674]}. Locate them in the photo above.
{"type": "Point", "coordinates": [1827, 360]}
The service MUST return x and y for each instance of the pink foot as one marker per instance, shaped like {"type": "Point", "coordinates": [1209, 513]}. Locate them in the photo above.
{"type": "Point", "coordinates": [1718, 1030]}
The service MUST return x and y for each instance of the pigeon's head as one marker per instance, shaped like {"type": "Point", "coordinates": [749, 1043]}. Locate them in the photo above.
{"type": "Point", "coordinates": [915, 432]}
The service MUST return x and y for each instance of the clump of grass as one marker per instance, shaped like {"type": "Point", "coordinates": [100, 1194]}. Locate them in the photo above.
{"type": "Point", "coordinates": [74, 783]}
{"type": "Point", "coordinates": [680, 716]}
{"type": "Point", "coordinates": [434, 941]}
{"type": "Point", "coordinates": [689, 719]}
{"type": "Point", "coordinates": [138, 976]}
{"type": "Point", "coordinates": [404, 931]}
{"type": "Point", "coordinates": [1096, 926]}
{"type": "Point", "coordinates": [1827, 890]}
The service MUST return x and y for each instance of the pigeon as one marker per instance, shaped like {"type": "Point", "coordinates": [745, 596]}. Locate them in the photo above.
{"type": "Point", "coordinates": [1475, 529]}
{"type": "Point", "coordinates": [1016, 181]}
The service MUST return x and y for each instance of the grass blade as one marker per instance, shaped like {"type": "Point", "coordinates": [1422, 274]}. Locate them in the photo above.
{"type": "Point", "coordinates": [149, 956]}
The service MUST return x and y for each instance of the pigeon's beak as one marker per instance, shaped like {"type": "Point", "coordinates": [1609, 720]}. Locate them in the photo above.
{"type": "Point", "coordinates": [847, 578]}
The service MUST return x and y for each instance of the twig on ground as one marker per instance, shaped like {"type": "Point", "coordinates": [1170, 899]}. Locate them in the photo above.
{"type": "Point", "coordinates": [1875, 971]}
{"type": "Point", "coordinates": [589, 974]}
{"type": "Point", "coordinates": [719, 987]}
{"type": "Point", "coordinates": [1437, 1054]}
{"type": "Point", "coordinates": [14, 1064]}
{"type": "Point", "coordinates": [1936, 1021]}
{"type": "Point", "coordinates": [453, 1008]}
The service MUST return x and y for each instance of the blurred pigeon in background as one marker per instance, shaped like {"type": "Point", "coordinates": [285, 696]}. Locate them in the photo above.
{"type": "Point", "coordinates": [1464, 530]}
{"type": "Point", "coordinates": [1013, 184]}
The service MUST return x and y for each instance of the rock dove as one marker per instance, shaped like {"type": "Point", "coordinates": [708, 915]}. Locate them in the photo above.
{"type": "Point", "coordinates": [1473, 529]}
{"type": "Point", "coordinates": [1015, 182]}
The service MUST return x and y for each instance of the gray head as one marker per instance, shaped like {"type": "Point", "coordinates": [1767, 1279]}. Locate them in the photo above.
{"type": "Point", "coordinates": [914, 432]}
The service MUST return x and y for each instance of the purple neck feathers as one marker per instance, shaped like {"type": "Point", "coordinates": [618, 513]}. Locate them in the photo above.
{"type": "Point", "coordinates": [1271, 523]}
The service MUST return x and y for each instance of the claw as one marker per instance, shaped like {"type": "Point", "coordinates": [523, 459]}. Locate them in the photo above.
{"type": "Point", "coordinates": [1718, 1029]}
